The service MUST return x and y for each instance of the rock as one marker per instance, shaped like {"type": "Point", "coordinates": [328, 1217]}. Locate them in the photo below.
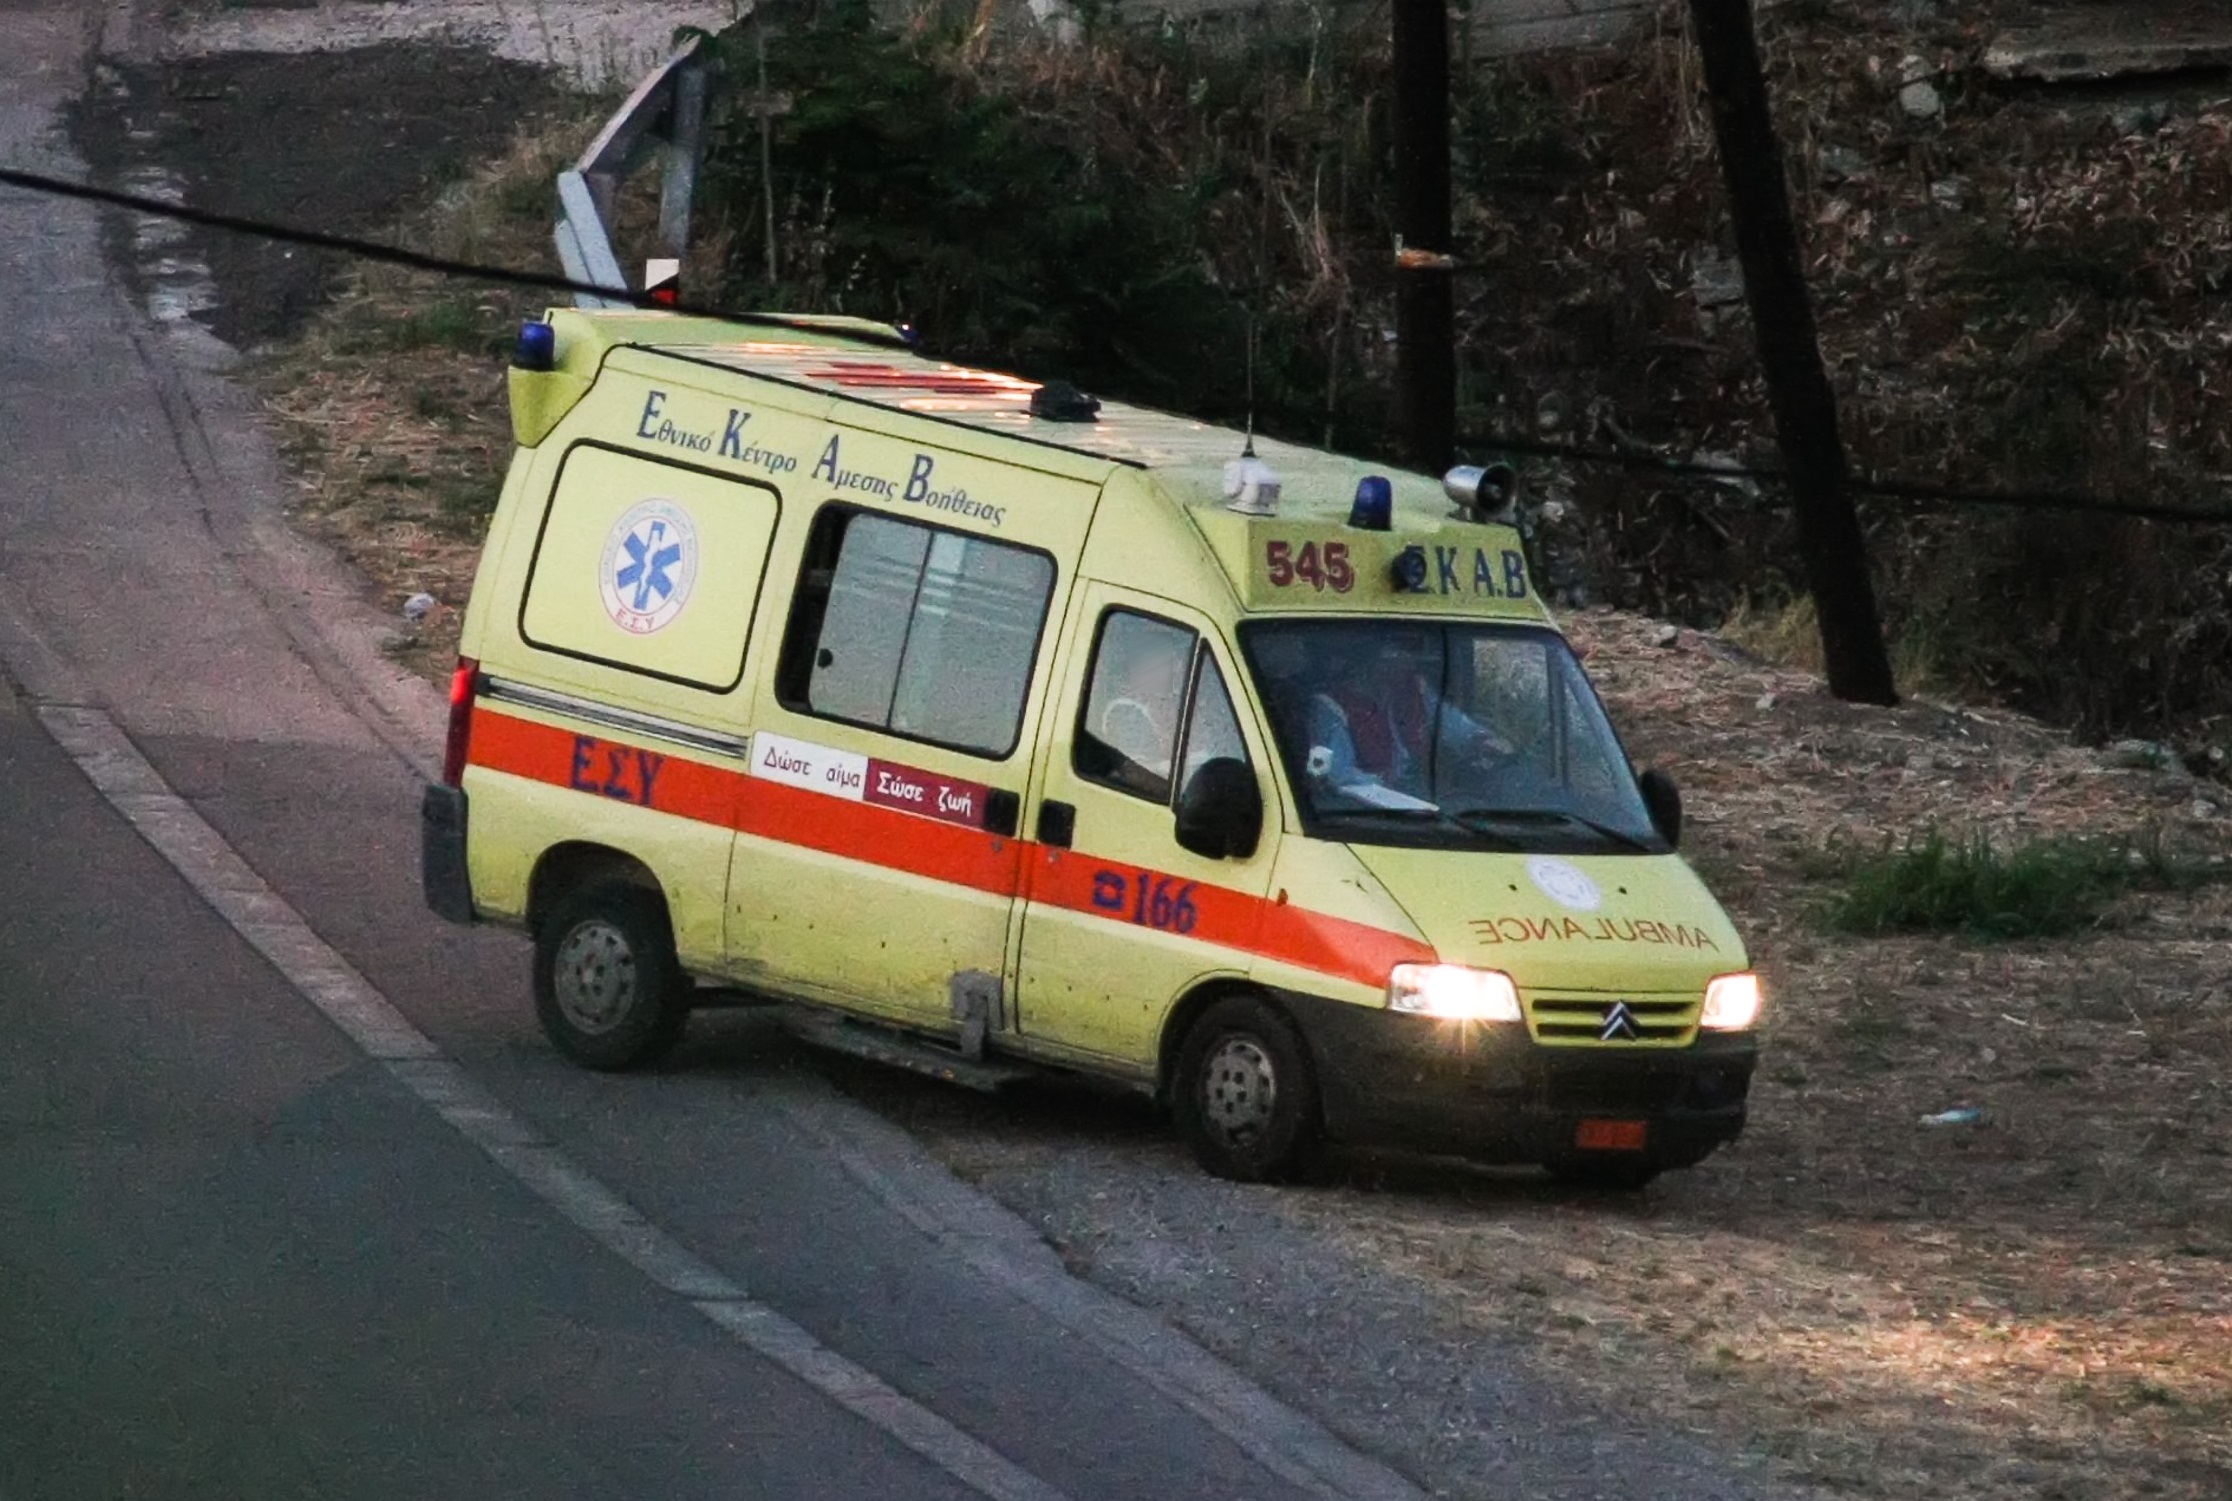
{"type": "Point", "coordinates": [2140, 755]}
{"type": "Point", "coordinates": [1766, 702]}
{"type": "Point", "coordinates": [1921, 100]}
{"type": "Point", "coordinates": [1949, 192]}
{"type": "Point", "coordinates": [2142, 118]}
{"type": "Point", "coordinates": [1716, 280]}
{"type": "Point", "coordinates": [1841, 163]}
{"type": "Point", "coordinates": [418, 607]}
{"type": "Point", "coordinates": [1666, 635]}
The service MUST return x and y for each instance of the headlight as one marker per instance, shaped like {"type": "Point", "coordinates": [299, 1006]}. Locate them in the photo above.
{"type": "Point", "coordinates": [1453, 993]}
{"type": "Point", "coordinates": [1731, 1003]}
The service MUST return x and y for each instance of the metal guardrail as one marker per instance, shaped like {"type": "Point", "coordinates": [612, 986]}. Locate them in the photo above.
{"type": "Point", "coordinates": [663, 119]}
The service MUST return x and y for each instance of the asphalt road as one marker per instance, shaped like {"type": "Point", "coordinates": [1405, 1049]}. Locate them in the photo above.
{"type": "Point", "coordinates": [237, 1260]}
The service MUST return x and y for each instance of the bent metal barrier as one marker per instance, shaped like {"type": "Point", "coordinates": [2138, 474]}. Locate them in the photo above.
{"type": "Point", "coordinates": [665, 119]}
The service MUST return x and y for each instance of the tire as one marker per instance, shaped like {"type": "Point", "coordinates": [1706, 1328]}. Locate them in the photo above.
{"type": "Point", "coordinates": [609, 992]}
{"type": "Point", "coordinates": [1245, 1094]}
{"type": "Point", "coordinates": [1610, 1175]}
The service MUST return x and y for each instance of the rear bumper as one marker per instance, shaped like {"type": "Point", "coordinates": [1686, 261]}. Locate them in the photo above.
{"type": "Point", "coordinates": [1491, 1093]}
{"type": "Point", "coordinates": [442, 868]}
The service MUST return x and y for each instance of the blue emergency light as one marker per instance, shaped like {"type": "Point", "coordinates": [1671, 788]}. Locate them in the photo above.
{"type": "Point", "coordinates": [1374, 510]}
{"type": "Point", "coordinates": [538, 347]}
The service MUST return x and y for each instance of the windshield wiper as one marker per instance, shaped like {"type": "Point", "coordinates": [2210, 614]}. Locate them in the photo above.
{"type": "Point", "coordinates": [1470, 817]}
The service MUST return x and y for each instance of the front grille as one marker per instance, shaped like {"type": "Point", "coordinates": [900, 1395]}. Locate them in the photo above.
{"type": "Point", "coordinates": [1575, 1021]}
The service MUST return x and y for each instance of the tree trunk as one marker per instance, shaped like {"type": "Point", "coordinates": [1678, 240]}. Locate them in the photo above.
{"type": "Point", "coordinates": [1425, 302]}
{"type": "Point", "coordinates": [1805, 408]}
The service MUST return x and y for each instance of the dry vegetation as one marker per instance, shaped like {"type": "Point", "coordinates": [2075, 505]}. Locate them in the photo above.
{"type": "Point", "coordinates": [393, 405]}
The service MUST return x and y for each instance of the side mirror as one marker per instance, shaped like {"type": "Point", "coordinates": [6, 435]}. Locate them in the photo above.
{"type": "Point", "coordinates": [1220, 810]}
{"type": "Point", "coordinates": [1664, 800]}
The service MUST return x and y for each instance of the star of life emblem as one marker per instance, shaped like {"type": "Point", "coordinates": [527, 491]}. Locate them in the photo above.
{"type": "Point", "coordinates": [650, 566]}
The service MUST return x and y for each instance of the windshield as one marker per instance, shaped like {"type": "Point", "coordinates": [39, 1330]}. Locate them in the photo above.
{"type": "Point", "coordinates": [1470, 736]}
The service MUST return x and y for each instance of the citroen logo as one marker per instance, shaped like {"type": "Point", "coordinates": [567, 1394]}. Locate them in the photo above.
{"type": "Point", "coordinates": [1619, 1025]}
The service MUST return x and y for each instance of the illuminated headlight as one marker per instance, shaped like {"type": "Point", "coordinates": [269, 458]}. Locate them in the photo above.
{"type": "Point", "coordinates": [1731, 1003]}
{"type": "Point", "coordinates": [1453, 993]}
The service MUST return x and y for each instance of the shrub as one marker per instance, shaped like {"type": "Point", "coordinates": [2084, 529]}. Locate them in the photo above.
{"type": "Point", "coordinates": [2042, 888]}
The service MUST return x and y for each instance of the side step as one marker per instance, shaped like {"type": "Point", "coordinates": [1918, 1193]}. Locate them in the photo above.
{"type": "Point", "coordinates": [897, 1050]}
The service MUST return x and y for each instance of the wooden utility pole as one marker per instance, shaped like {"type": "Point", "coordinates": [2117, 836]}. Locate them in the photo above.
{"type": "Point", "coordinates": [1805, 408]}
{"type": "Point", "coordinates": [1425, 302]}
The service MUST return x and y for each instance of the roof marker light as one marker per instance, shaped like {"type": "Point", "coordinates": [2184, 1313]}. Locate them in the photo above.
{"type": "Point", "coordinates": [1374, 510]}
{"type": "Point", "coordinates": [538, 347]}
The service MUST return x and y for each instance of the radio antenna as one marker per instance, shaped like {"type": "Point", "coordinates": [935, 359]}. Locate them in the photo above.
{"type": "Point", "coordinates": [1249, 452]}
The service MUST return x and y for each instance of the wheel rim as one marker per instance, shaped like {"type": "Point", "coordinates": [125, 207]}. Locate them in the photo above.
{"type": "Point", "coordinates": [1239, 1091]}
{"type": "Point", "coordinates": [595, 976]}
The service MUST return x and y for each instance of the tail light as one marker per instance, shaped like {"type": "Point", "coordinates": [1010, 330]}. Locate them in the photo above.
{"type": "Point", "coordinates": [463, 685]}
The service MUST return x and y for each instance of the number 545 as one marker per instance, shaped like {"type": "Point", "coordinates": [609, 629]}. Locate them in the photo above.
{"type": "Point", "coordinates": [1321, 570]}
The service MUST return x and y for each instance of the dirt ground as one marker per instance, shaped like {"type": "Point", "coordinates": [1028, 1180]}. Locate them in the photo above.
{"type": "Point", "coordinates": [345, 142]}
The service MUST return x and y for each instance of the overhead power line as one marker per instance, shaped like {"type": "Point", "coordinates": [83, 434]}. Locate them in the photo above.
{"type": "Point", "coordinates": [1917, 492]}
{"type": "Point", "coordinates": [373, 250]}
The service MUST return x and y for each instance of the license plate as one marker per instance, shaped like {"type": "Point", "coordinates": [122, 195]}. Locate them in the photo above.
{"type": "Point", "coordinates": [1611, 1136]}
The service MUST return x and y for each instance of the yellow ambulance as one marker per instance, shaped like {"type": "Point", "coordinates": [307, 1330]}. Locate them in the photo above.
{"type": "Point", "coordinates": [986, 728]}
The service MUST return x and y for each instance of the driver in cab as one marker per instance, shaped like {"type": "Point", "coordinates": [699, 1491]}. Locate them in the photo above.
{"type": "Point", "coordinates": [1381, 730]}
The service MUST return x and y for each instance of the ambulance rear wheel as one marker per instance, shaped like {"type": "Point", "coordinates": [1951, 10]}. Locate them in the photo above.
{"type": "Point", "coordinates": [609, 991]}
{"type": "Point", "coordinates": [1245, 1095]}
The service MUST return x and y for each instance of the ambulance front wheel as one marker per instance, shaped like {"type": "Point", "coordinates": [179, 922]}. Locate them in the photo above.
{"type": "Point", "coordinates": [1245, 1095]}
{"type": "Point", "coordinates": [608, 988]}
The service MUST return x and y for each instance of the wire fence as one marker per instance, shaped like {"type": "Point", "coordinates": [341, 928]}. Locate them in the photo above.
{"type": "Point", "coordinates": [1638, 460]}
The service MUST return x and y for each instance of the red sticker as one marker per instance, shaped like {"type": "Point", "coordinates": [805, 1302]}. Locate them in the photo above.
{"type": "Point", "coordinates": [925, 792]}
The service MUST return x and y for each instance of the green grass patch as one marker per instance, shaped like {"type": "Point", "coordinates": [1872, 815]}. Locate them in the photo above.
{"type": "Point", "coordinates": [2042, 888]}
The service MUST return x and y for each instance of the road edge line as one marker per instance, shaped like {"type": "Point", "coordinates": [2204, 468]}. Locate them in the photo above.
{"type": "Point", "coordinates": [128, 782]}
{"type": "Point", "coordinates": [892, 1165]}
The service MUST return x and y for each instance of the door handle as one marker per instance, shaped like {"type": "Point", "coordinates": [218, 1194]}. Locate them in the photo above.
{"type": "Point", "coordinates": [1057, 823]}
{"type": "Point", "coordinates": [1003, 812]}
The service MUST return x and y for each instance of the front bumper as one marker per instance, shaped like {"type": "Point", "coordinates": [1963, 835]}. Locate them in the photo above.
{"type": "Point", "coordinates": [442, 868]}
{"type": "Point", "coordinates": [1493, 1094]}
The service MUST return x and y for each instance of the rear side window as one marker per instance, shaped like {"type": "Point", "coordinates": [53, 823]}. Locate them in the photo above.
{"type": "Point", "coordinates": [648, 567]}
{"type": "Point", "coordinates": [918, 631]}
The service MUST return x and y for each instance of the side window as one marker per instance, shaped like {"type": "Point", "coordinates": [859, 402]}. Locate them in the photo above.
{"type": "Point", "coordinates": [1128, 738]}
{"type": "Point", "coordinates": [925, 633]}
{"type": "Point", "coordinates": [1154, 689]}
{"type": "Point", "coordinates": [1212, 729]}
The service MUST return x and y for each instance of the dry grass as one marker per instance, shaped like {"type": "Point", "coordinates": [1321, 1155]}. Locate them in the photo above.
{"type": "Point", "coordinates": [2037, 1306]}
{"type": "Point", "coordinates": [393, 407]}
